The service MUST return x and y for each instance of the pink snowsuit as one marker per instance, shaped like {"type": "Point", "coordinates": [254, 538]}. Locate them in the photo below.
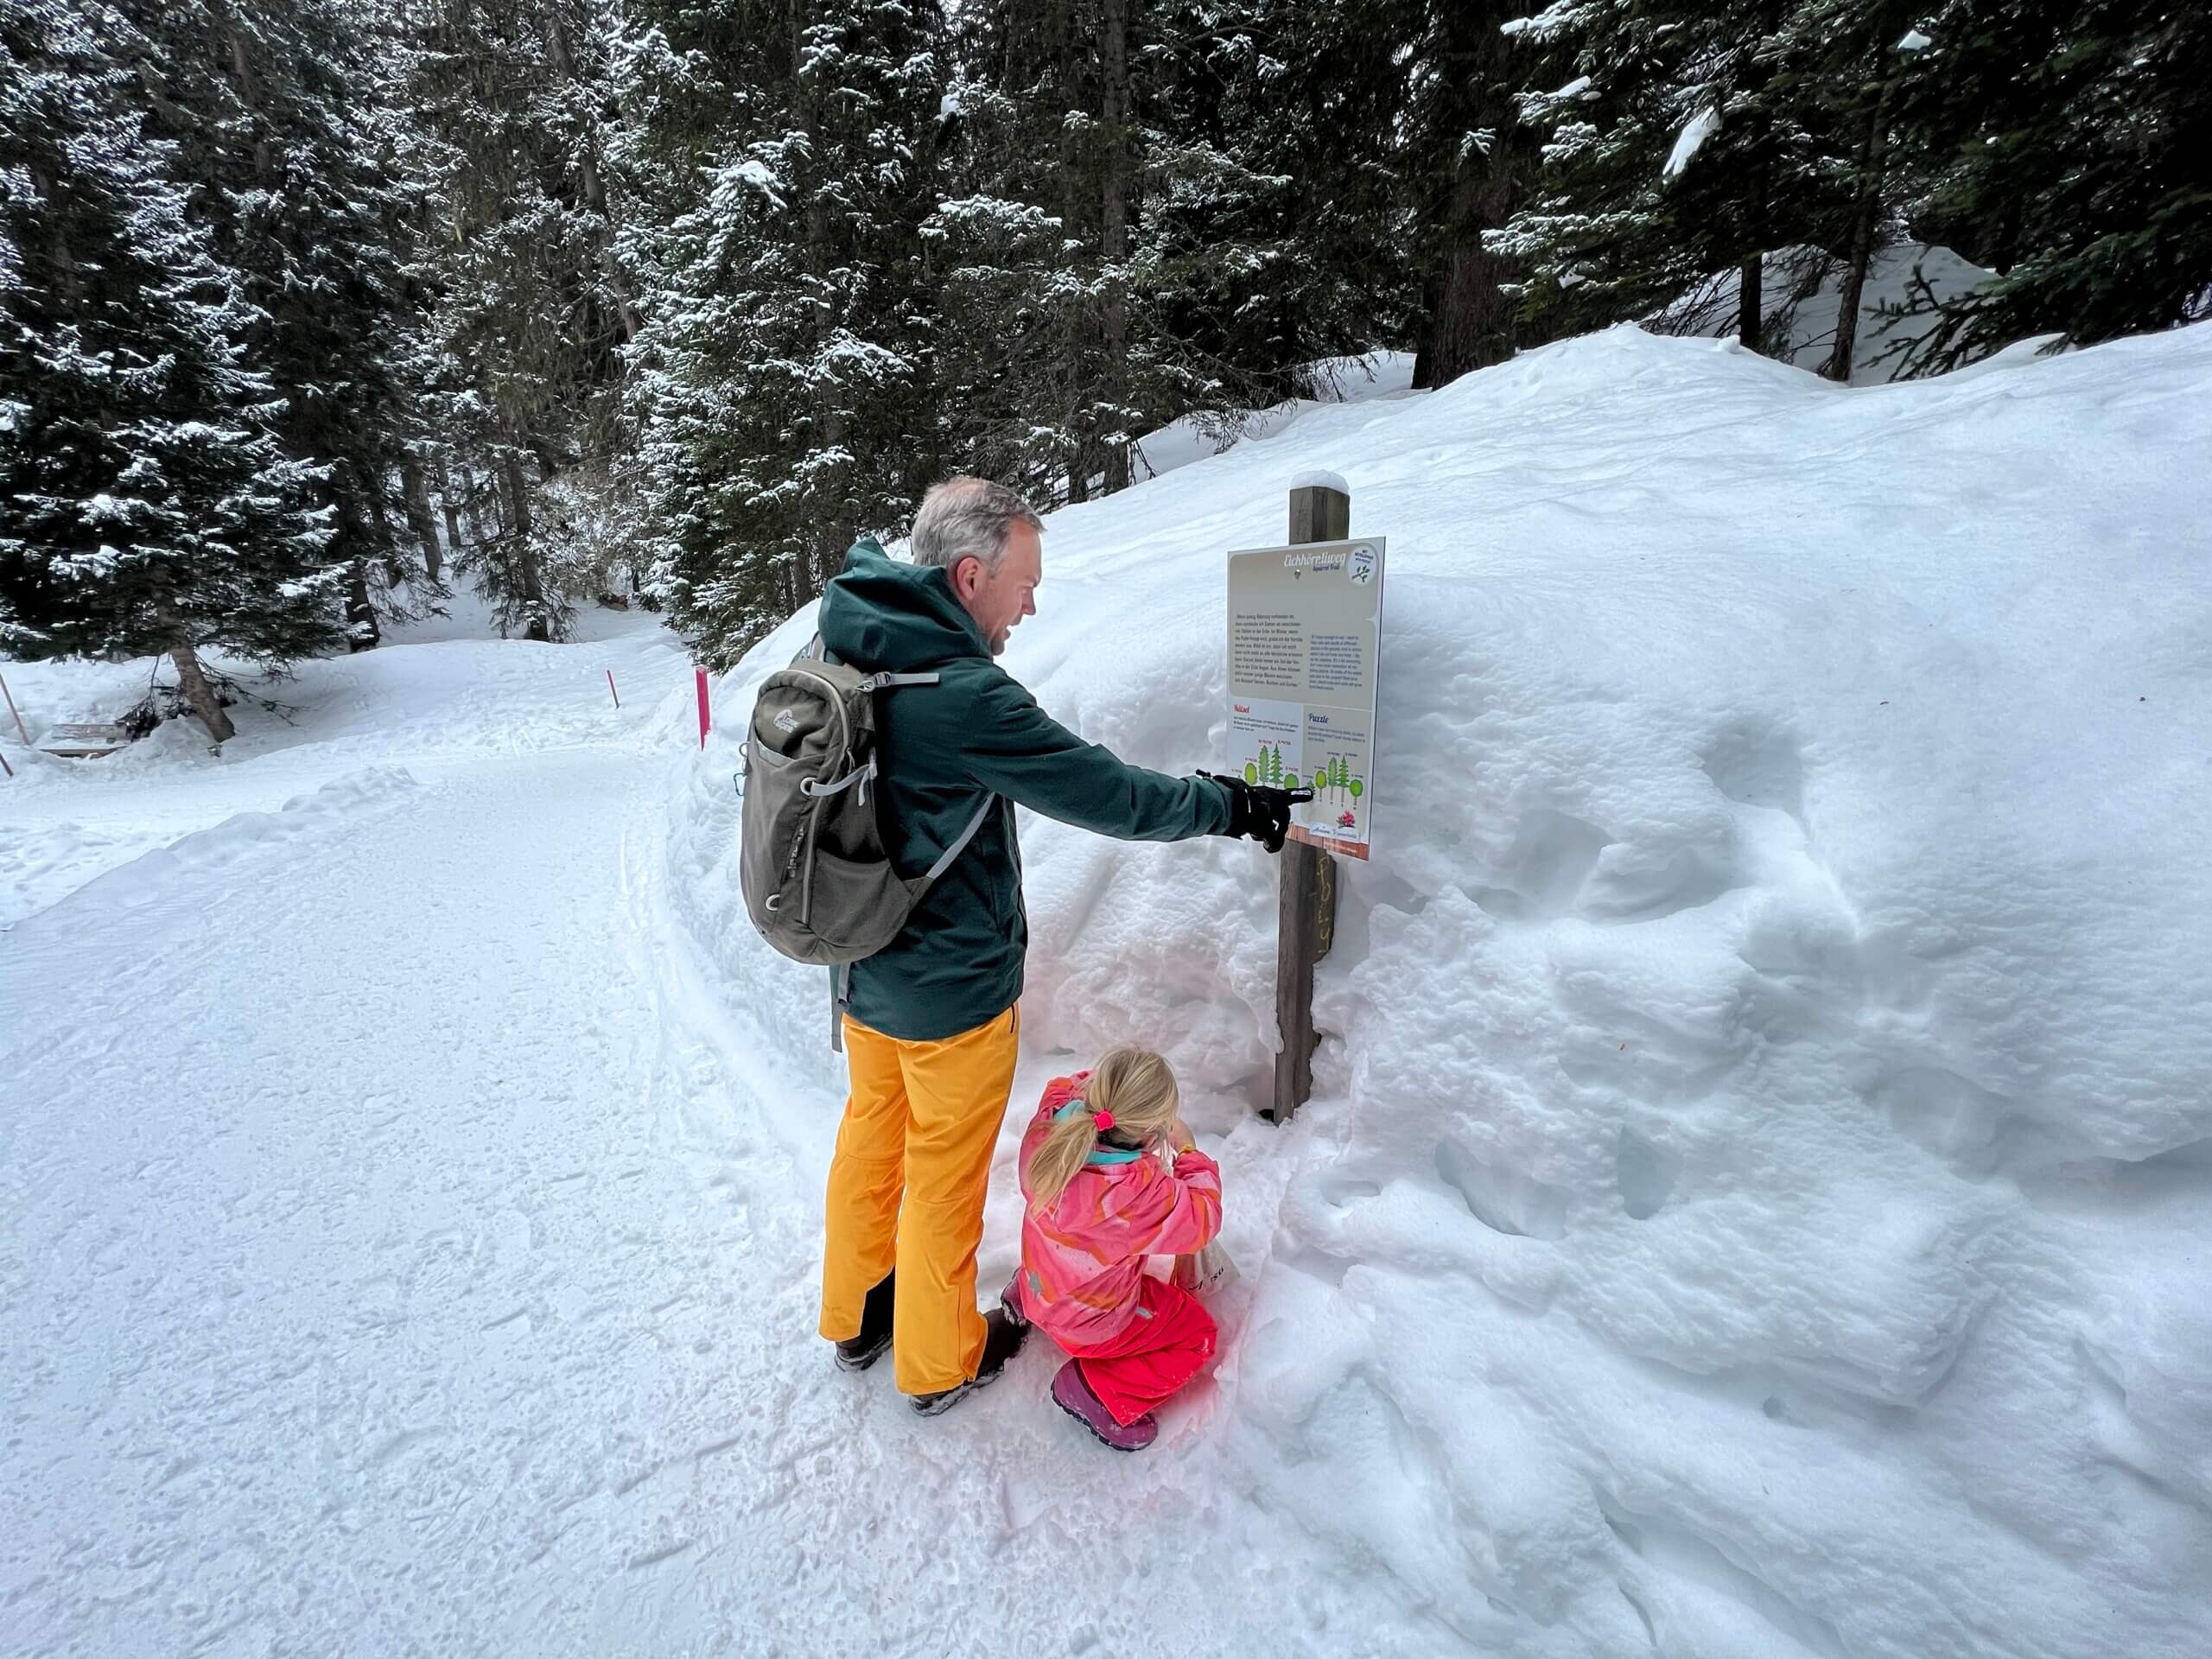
{"type": "Point", "coordinates": [1136, 1338]}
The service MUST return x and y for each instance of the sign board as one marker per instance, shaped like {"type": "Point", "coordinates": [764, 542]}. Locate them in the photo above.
{"type": "Point", "coordinates": [1305, 653]}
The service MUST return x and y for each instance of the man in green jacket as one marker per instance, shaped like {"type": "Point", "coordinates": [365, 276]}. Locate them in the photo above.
{"type": "Point", "coordinates": [930, 1022]}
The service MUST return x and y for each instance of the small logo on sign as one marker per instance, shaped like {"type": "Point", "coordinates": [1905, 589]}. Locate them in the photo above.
{"type": "Point", "coordinates": [1361, 566]}
{"type": "Point", "coordinates": [787, 722]}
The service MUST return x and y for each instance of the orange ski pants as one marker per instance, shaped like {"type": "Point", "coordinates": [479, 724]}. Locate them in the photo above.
{"type": "Point", "coordinates": [906, 1187]}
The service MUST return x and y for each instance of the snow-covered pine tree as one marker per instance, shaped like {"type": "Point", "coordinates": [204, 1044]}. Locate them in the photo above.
{"type": "Point", "coordinates": [268, 105]}
{"type": "Point", "coordinates": [2076, 144]}
{"type": "Point", "coordinates": [1274, 224]}
{"type": "Point", "coordinates": [1122, 237]}
{"type": "Point", "coordinates": [1846, 66]}
{"type": "Point", "coordinates": [1469, 161]}
{"type": "Point", "coordinates": [783, 165]}
{"type": "Point", "coordinates": [1381, 141]}
{"type": "Point", "coordinates": [1042, 181]}
{"type": "Point", "coordinates": [1676, 149]}
{"type": "Point", "coordinates": [150, 508]}
{"type": "Point", "coordinates": [510, 102]}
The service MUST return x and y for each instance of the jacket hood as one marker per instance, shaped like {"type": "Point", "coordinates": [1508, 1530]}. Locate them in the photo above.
{"type": "Point", "coordinates": [881, 615]}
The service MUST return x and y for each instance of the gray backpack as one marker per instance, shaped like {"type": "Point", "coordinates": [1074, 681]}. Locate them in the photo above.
{"type": "Point", "coordinates": [818, 883]}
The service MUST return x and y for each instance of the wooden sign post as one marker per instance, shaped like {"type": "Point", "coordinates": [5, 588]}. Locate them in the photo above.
{"type": "Point", "coordinates": [1305, 657]}
{"type": "Point", "coordinates": [1306, 918]}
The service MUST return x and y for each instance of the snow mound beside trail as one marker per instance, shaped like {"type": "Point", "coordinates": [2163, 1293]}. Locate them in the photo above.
{"type": "Point", "coordinates": [1754, 1196]}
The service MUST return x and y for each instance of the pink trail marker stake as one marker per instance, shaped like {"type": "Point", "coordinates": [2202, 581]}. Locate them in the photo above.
{"type": "Point", "coordinates": [611, 691]}
{"type": "Point", "coordinates": [700, 675]}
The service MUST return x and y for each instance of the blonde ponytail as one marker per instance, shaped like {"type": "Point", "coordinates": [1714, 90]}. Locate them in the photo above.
{"type": "Point", "coordinates": [1136, 1086]}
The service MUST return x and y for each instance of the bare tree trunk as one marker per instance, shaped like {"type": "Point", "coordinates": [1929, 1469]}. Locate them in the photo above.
{"type": "Point", "coordinates": [595, 192]}
{"type": "Point", "coordinates": [472, 507]}
{"type": "Point", "coordinates": [387, 548]}
{"type": "Point", "coordinates": [1114, 232]}
{"type": "Point", "coordinates": [529, 584]}
{"type": "Point", "coordinates": [363, 631]}
{"type": "Point", "coordinates": [416, 495]}
{"type": "Point", "coordinates": [1750, 281]}
{"type": "Point", "coordinates": [452, 509]}
{"type": "Point", "coordinates": [1472, 319]}
{"type": "Point", "coordinates": [1473, 325]}
{"type": "Point", "coordinates": [193, 681]}
{"type": "Point", "coordinates": [1872, 166]}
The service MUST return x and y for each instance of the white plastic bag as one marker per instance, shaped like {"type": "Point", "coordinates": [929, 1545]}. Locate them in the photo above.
{"type": "Point", "coordinates": [1208, 1269]}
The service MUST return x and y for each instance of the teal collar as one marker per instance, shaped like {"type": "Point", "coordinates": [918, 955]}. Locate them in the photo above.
{"type": "Point", "coordinates": [1104, 1156]}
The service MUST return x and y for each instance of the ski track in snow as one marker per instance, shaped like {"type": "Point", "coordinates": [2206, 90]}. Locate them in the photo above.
{"type": "Point", "coordinates": [399, 1259]}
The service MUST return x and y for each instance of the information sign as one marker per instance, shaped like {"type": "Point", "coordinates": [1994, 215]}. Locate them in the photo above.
{"type": "Point", "coordinates": [1305, 651]}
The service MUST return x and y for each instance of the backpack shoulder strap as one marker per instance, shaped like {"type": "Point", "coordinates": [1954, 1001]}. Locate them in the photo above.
{"type": "Point", "coordinates": [945, 858]}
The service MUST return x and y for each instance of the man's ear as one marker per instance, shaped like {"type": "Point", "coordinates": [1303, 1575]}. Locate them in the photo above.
{"type": "Point", "coordinates": [967, 576]}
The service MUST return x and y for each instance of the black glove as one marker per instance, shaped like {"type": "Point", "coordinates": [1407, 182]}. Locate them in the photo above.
{"type": "Point", "coordinates": [1260, 811]}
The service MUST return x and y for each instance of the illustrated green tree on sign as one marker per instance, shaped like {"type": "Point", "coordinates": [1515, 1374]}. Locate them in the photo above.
{"type": "Point", "coordinates": [1251, 773]}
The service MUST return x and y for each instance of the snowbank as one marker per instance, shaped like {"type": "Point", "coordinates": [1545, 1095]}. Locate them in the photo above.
{"type": "Point", "coordinates": [1894, 278]}
{"type": "Point", "coordinates": [1337, 380]}
{"type": "Point", "coordinates": [1754, 1198]}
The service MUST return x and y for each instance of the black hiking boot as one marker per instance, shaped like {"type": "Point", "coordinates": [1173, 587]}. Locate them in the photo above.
{"type": "Point", "coordinates": [1003, 1336]}
{"type": "Point", "coordinates": [858, 1353]}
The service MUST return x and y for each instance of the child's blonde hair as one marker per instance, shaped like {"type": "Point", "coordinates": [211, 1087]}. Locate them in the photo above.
{"type": "Point", "coordinates": [1136, 1086]}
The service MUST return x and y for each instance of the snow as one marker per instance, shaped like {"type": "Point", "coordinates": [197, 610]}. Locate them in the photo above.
{"type": "Point", "coordinates": [1317, 478]}
{"type": "Point", "coordinates": [1691, 139]}
{"type": "Point", "coordinates": [1913, 41]}
{"type": "Point", "coordinates": [1337, 380]}
{"type": "Point", "coordinates": [761, 177]}
{"type": "Point", "coordinates": [1879, 348]}
{"type": "Point", "coordinates": [1753, 1202]}
{"type": "Point", "coordinates": [62, 824]}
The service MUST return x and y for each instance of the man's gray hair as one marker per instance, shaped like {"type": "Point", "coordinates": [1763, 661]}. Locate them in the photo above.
{"type": "Point", "coordinates": [968, 519]}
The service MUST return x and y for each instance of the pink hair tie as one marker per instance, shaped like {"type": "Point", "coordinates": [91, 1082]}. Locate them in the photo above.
{"type": "Point", "coordinates": [1103, 1120]}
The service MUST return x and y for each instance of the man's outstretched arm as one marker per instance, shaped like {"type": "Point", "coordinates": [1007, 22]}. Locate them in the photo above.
{"type": "Point", "coordinates": [1014, 748]}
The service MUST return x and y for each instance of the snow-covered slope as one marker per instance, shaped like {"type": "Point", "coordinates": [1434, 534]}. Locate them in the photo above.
{"type": "Point", "coordinates": [1337, 380]}
{"type": "Point", "coordinates": [1894, 278]}
{"type": "Point", "coordinates": [1754, 1198]}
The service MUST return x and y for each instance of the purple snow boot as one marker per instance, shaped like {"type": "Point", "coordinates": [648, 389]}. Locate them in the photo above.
{"type": "Point", "coordinates": [1073, 1396]}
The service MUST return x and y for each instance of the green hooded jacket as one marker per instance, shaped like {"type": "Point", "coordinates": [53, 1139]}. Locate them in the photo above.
{"type": "Point", "coordinates": [942, 748]}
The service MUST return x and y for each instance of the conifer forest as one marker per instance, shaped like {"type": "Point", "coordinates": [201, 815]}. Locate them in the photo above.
{"type": "Point", "coordinates": [315, 308]}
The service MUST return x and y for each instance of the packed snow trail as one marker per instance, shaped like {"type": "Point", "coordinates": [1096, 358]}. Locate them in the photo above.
{"type": "Point", "coordinates": [395, 1262]}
